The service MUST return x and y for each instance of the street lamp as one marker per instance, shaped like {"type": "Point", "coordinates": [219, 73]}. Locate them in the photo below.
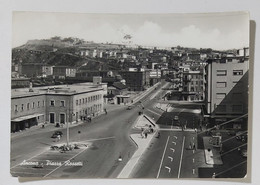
{"type": "Point", "coordinates": [68, 132]}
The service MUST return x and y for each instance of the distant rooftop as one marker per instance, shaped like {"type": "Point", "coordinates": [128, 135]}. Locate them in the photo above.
{"type": "Point", "coordinates": [57, 89]}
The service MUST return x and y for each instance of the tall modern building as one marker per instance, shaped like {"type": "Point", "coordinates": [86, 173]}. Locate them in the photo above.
{"type": "Point", "coordinates": [227, 89]}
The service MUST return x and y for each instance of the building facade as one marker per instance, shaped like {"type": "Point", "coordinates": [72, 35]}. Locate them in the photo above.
{"type": "Point", "coordinates": [227, 90]}
{"type": "Point", "coordinates": [55, 104]}
{"type": "Point", "coordinates": [193, 85]}
{"type": "Point", "coordinates": [136, 80]}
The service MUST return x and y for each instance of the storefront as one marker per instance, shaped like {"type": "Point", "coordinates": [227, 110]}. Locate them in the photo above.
{"type": "Point", "coordinates": [24, 122]}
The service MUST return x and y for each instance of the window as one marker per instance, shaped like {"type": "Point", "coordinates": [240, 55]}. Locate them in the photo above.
{"type": "Point", "coordinates": [28, 106]}
{"type": "Point", "coordinates": [15, 108]}
{"type": "Point", "coordinates": [80, 101]}
{"type": "Point", "coordinates": [221, 84]}
{"type": "Point", "coordinates": [38, 104]}
{"type": "Point", "coordinates": [237, 72]}
{"type": "Point", "coordinates": [77, 102]}
{"type": "Point", "coordinates": [43, 103]}
{"type": "Point", "coordinates": [22, 107]}
{"type": "Point", "coordinates": [62, 103]}
{"type": "Point", "coordinates": [86, 100]}
{"type": "Point", "coordinates": [221, 95]}
{"type": "Point", "coordinates": [52, 103]}
{"type": "Point", "coordinates": [221, 72]}
{"type": "Point", "coordinates": [237, 108]}
{"type": "Point", "coordinates": [83, 100]}
{"type": "Point", "coordinates": [33, 105]}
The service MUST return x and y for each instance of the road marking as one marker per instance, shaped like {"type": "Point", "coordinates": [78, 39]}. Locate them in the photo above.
{"type": "Point", "coordinates": [153, 112]}
{"type": "Point", "coordinates": [162, 157]}
{"type": "Point", "coordinates": [28, 159]}
{"type": "Point", "coordinates": [193, 138]}
{"type": "Point", "coordinates": [64, 163]}
{"type": "Point", "coordinates": [104, 138]}
{"type": "Point", "coordinates": [171, 158]}
{"type": "Point", "coordinates": [193, 151]}
{"type": "Point", "coordinates": [173, 142]}
{"type": "Point", "coordinates": [183, 141]}
{"type": "Point", "coordinates": [193, 171]}
{"type": "Point", "coordinates": [169, 169]}
{"type": "Point", "coordinates": [173, 150]}
{"type": "Point", "coordinates": [193, 160]}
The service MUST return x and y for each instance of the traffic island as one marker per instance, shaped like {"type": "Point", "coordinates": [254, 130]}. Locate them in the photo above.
{"type": "Point", "coordinates": [142, 139]}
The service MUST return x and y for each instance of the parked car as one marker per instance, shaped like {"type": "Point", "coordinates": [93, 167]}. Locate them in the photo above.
{"type": "Point", "coordinates": [129, 107]}
{"type": "Point", "coordinates": [56, 133]}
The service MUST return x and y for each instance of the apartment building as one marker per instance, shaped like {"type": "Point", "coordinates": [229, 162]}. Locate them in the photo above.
{"type": "Point", "coordinates": [193, 86]}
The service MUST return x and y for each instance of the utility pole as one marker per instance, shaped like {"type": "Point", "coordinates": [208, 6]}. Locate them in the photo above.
{"type": "Point", "coordinates": [68, 133]}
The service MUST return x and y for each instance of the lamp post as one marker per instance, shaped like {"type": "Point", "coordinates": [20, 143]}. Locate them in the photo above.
{"type": "Point", "coordinates": [68, 131]}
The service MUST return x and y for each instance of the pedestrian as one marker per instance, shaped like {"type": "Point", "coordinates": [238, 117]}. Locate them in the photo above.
{"type": "Point", "coordinates": [145, 134]}
{"type": "Point", "coordinates": [195, 129]}
{"type": "Point", "coordinates": [214, 175]}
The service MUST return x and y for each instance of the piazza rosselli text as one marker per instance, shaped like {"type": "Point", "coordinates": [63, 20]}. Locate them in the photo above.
{"type": "Point", "coordinates": [51, 163]}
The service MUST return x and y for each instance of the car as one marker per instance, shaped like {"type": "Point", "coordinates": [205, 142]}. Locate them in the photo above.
{"type": "Point", "coordinates": [56, 133]}
{"type": "Point", "coordinates": [129, 107]}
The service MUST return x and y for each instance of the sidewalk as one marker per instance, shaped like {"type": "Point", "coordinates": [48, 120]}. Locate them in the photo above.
{"type": "Point", "coordinates": [51, 127]}
{"type": "Point", "coordinates": [212, 154]}
{"type": "Point", "coordinates": [141, 142]}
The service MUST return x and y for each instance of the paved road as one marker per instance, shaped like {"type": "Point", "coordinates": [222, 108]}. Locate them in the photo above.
{"type": "Point", "coordinates": [107, 137]}
{"type": "Point", "coordinates": [170, 155]}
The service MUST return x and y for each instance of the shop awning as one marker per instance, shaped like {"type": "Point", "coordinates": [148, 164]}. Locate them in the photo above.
{"type": "Point", "coordinates": [26, 117]}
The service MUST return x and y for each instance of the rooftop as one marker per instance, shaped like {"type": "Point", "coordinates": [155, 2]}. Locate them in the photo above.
{"type": "Point", "coordinates": [57, 89]}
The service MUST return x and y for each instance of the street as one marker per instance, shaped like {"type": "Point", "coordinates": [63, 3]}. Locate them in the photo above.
{"type": "Point", "coordinates": [107, 137]}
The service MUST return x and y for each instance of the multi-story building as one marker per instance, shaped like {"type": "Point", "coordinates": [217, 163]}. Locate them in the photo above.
{"type": "Point", "coordinates": [136, 80]}
{"type": "Point", "coordinates": [193, 85]}
{"type": "Point", "coordinates": [47, 70]}
{"type": "Point", "coordinates": [227, 89]}
{"type": "Point", "coordinates": [55, 104]}
{"type": "Point", "coordinates": [31, 69]}
{"type": "Point", "coordinates": [64, 71]}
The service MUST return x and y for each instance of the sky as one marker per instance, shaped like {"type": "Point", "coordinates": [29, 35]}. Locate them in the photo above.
{"type": "Point", "coordinates": [215, 30]}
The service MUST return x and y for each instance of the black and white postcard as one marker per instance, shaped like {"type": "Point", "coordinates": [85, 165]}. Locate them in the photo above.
{"type": "Point", "coordinates": [129, 95]}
